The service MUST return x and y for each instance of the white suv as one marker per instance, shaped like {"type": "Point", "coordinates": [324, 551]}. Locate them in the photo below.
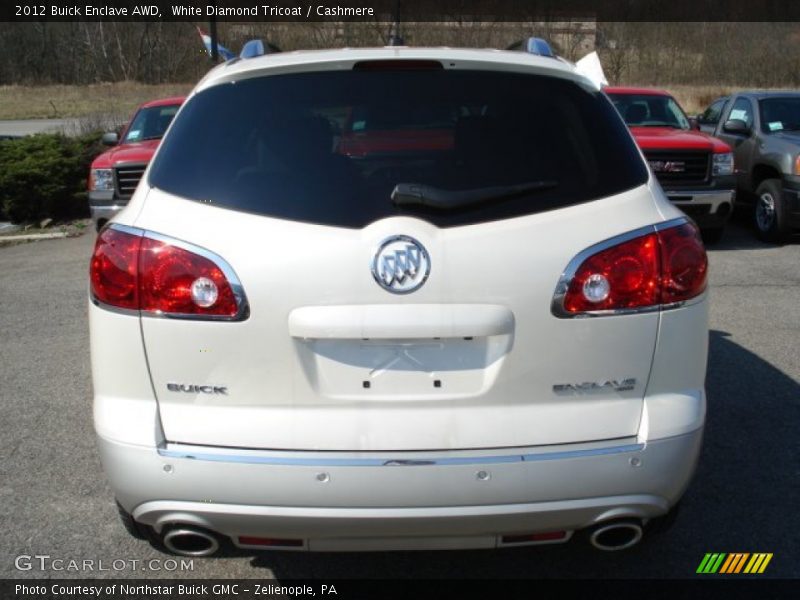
{"type": "Point", "coordinates": [397, 298]}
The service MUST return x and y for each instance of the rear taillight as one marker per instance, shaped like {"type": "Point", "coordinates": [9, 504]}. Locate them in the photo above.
{"type": "Point", "coordinates": [140, 271]}
{"type": "Point", "coordinates": [684, 265]}
{"type": "Point", "coordinates": [113, 271]}
{"type": "Point", "coordinates": [661, 266]}
{"type": "Point", "coordinates": [623, 276]}
{"type": "Point", "coordinates": [176, 281]}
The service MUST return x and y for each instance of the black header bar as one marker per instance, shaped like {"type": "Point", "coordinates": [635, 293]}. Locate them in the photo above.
{"type": "Point", "coordinates": [410, 10]}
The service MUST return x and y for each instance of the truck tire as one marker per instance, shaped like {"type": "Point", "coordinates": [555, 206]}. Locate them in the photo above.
{"type": "Point", "coordinates": [769, 213]}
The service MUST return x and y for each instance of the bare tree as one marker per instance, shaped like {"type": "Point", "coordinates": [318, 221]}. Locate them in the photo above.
{"type": "Point", "coordinates": [665, 54]}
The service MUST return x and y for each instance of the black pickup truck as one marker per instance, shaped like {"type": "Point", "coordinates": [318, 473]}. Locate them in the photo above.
{"type": "Point", "coordinates": [763, 128]}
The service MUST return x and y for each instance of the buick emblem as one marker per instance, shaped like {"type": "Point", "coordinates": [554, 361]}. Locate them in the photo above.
{"type": "Point", "coordinates": [401, 265]}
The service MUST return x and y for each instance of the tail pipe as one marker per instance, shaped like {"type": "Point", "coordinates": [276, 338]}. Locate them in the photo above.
{"type": "Point", "coordinates": [189, 541]}
{"type": "Point", "coordinates": [616, 535]}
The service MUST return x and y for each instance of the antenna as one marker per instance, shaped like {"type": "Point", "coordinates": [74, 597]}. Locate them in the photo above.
{"type": "Point", "coordinates": [212, 30]}
{"type": "Point", "coordinates": [395, 39]}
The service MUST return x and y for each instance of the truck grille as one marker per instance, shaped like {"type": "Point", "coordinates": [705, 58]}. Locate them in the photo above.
{"type": "Point", "coordinates": [126, 179]}
{"type": "Point", "coordinates": [679, 168]}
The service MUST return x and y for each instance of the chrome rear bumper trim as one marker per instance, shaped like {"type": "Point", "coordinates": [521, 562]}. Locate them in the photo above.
{"type": "Point", "coordinates": [205, 453]}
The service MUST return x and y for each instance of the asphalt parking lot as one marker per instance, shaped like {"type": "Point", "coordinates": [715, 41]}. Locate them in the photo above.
{"type": "Point", "coordinates": [54, 499]}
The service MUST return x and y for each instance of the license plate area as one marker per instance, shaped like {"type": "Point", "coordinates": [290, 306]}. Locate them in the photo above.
{"type": "Point", "coordinates": [402, 369]}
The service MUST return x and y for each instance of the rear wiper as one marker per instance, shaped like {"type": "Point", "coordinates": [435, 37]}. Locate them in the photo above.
{"type": "Point", "coordinates": [420, 194]}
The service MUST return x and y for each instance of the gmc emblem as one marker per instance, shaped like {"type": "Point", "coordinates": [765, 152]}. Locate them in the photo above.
{"type": "Point", "coordinates": [667, 166]}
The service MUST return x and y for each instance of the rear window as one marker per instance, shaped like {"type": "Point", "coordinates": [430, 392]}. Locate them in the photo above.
{"type": "Point", "coordinates": [330, 147]}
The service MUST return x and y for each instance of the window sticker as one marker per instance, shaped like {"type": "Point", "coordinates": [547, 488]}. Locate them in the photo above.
{"type": "Point", "coordinates": [738, 113]}
{"type": "Point", "coordinates": [134, 134]}
{"type": "Point", "coordinates": [775, 126]}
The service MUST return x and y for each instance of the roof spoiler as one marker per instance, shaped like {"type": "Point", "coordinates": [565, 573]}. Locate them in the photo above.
{"type": "Point", "coordinates": [255, 48]}
{"type": "Point", "coordinates": [533, 45]}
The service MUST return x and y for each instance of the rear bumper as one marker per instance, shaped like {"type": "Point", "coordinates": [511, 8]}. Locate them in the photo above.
{"type": "Point", "coordinates": [347, 501]}
{"type": "Point", "coordinates": [709, 208]}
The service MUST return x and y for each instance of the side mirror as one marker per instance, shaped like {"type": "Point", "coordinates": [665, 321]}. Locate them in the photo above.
{"type": "Point", "coordinates": [110, 138]}
{"type": "Point", "coordinates": [694, 123]}
{"type": "Point", "coordinates": [736, 126]}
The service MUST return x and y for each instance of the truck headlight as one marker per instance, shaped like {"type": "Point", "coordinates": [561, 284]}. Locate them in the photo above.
{"type": "Point", "coordinates": [101, 180]}
{"type": "Point", "coordinates": [723, 164]}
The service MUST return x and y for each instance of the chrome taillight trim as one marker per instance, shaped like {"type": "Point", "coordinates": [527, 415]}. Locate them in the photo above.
{"type": "Point", "coordinates": [243, 306]}
{"type": "Point", "coordinates": [557, 304]}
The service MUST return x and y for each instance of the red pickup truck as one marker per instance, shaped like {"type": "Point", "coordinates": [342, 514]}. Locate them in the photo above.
{"type": "Point", "coordinates": [392, 130]}
{"type": "Point", "coordinates": [694, 169]}
{"type": "Point", "coordinates": [115, 174]}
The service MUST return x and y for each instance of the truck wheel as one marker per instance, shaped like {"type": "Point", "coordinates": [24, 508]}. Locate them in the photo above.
{"type": "Point", "coordinates": [712, 235]}
{"type": "Point", "coordinates": [769, 215]}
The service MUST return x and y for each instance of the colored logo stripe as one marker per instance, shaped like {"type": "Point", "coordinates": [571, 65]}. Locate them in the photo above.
{"type": "Point", "coordinates": [734, 563]}
{"type": "Point", "coordinates": [758, 563]}
{"type": "Point", "coordinates": [711, 563]}
{"type": "Point", "coordinates": [732, 558]}
{"type": "Point", "coordinates": [723, 563]}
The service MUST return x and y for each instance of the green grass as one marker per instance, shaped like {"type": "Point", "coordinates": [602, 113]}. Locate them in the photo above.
{"type": "Point", "coordinates": [75, 101]}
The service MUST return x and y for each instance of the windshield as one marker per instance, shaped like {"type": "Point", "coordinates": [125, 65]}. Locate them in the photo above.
{"type": "Point", "coordinates": [780, 114]}
{"type": "Point", "coordinates": [649, 110]}
{"type": "Point", "coordinates": [150, 123]}
{"type": "Point", "coordinates": [331, 147]}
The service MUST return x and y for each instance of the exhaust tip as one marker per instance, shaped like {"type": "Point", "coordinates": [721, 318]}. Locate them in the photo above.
{"type": "Point", "coordinates": [618, 535]}
{"type": "Point", "coordinates": [190, 542]}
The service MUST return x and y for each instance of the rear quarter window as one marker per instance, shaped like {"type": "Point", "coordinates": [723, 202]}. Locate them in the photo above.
{"type": "Point", "coordinates": [329, 147]}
